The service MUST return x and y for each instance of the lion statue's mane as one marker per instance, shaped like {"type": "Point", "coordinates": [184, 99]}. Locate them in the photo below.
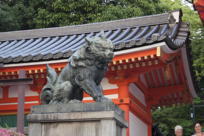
{"type": "Point", "coordinates": [84, 72]}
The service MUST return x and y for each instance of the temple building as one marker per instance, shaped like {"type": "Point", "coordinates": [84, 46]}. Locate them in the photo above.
{"type": "Point", "coordinates": [152, 66]}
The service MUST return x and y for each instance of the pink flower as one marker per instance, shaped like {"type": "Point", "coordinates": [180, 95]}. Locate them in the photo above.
{"type": "Point", "coordinates": [7, 132]}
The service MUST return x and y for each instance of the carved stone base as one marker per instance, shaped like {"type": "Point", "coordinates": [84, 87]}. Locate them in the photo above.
{"type": "Point", "coordinates": [77, 119]}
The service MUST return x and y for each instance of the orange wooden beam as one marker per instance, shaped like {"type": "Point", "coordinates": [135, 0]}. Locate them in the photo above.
{"type": "Point", "coordinates": [165, 57]}
{"type": "Point", "coordinates": [133, 98]}
{"type": "Point", "coordinates": [172, 75]}
{"type": "Point", "coordinates": [163, 91]}
{"type": "Point", "coordinates": [63, 64]}
{"type": "Point", "coordinates": [7, 108]}
{"type": "Point", "coordinates": [14, 100]}
{"type": "Point", "coordinates": [138, 111]}
{"type": "Point", "coordinates": [167, 74]}
{"type": "Point", "coordinates": [155, 74]}
{"type": "Point", "coordinates": [142, 87]}
{"type": "Point", "coordinates": [150, 100]}
{"type": "Point", "coordinates": [122, 78]}
{"type": "Point", "coordinates": [138, 70]}
{"type": "Point", "coordinates": [163, 81]}
{"type": "Point", "coordinates": [37, 87]}
{"type": "Point", "coordinates": [135, 55]}
{"type": "Point", "coordinates": [147, 80]}
{"type": "Point", "coordinates": [32, 67]}
{"type": "Point", "coordinates": [151, 79]}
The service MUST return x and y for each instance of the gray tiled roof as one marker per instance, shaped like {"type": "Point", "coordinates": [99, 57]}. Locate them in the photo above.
{"type": "Point", "coordinates": [61, 42]}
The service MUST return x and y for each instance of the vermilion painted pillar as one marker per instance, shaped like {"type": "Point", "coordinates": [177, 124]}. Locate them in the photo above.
{"type": "Point", "coordinates": [5, 91]}
{"type": "Point", "coordinates": [150, 124]}
{"type": "Point", "coordinates": [21, 100]}
{"type": "Point", "coordinates": [123, 96]}
{"type": "Point", "coordinates": [149, 129]}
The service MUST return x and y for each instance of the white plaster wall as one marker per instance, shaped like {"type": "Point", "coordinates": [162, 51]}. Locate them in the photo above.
{"type": "Point", "coordinates": [13, 92]}
{"type": "Point", "coordinates": [137, 93]}
{"type": "Point", "coordinates": [1, 93]}
{"type": "Point", "coordinates": [106, 85]}
{"type": "Point", "coordinates": [136, 126]}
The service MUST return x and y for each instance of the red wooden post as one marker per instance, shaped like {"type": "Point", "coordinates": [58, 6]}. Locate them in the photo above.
{"type": "Point", "coordinates": [150, 115]}
{"type": "Point", "coordinates": [124, 94]}
{"type": "Point", "coordinates": [21, 99]}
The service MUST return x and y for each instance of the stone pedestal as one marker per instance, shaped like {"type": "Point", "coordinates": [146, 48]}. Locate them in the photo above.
{"type": "Point", "coordinates": [77, 119]}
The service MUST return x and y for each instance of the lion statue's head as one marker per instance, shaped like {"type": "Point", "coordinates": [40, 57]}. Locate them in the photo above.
{"type": "Point", "coordinates": [100, 47]}
{"type": "Point", "coordinates": [96, 48]}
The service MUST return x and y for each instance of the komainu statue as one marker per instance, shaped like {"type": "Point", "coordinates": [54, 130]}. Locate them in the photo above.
{"type": "Point", "coordinates": [84, 72]}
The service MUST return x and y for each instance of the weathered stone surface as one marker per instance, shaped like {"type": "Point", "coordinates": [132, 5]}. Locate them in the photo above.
{"type": "Point", "coordinates": [36, 127]}
{"type": "Point", "coordinates": [77, 119]}
{"type": "Point", "coordinates": [70, 129]}
{"type": "Point", "coordinates": [76, 107]}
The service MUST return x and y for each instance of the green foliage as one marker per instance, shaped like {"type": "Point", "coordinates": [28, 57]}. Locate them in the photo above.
{"type": "Point", "coordinates": [7, 18]}
{"type": "Point", "coordinates": [26, 14]}
{"type": "Point", "coordinates": [198, 52]}
{"type": "Point", "coordinates": [169, 117]}
{"type": "Point", "coordinates": [14, 15]}
{"type": "Point", "coordinates": [72, 12]}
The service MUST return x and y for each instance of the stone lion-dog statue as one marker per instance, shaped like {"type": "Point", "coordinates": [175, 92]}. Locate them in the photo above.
{"type": "Point", "coordinates": [84, 72]}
